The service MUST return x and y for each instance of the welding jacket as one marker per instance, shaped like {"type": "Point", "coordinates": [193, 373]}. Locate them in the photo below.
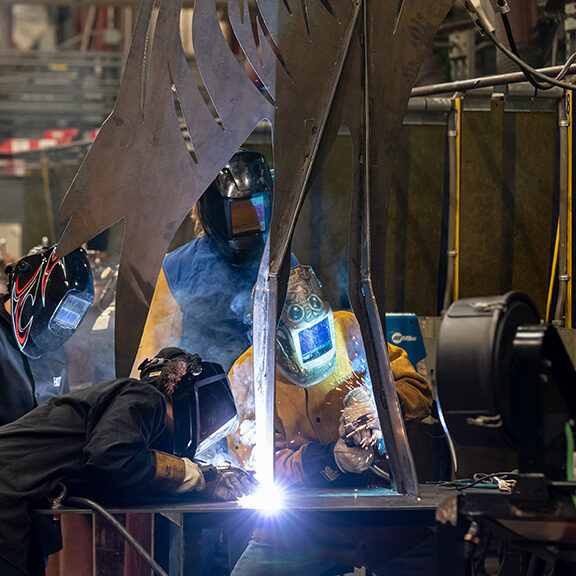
{"type": "Point", "coordinates": [307, 419]}
{"type": "Point", "coordinates": [199, 304]}
{"type": "Point", "coordinates": [26, 382]}
{"type": "Point", "coordinates": [97, 441]}
{"type": "Point", "coordinates": [306, 428]}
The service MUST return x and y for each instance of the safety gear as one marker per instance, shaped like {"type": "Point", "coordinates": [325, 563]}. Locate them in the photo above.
{"type": "Point", "coordinates": [50, 296]}
{"type": "Point", "coordinates": [151, 369]}
{"type": "Point", "coordinates": [202, 403]}
{"type": "Point", "coordinates": [305, 338]}
{"type": "Point", "coordinates": [355, 459]}
{"type": "Point", "coordinates": [235, 209]}
{"type": "Point", "coordinates": [359, 424]}
{"type": "Point", "coordinates": [228, 482]}
{"type": "Point", "coordinates": [193, 478]}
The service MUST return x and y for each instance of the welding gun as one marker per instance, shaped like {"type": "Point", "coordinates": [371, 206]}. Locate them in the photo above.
{"type": "Point", "coordinates": [363, 429]}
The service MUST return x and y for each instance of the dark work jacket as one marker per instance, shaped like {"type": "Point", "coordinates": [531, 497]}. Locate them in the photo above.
{"type": "Point", "coordinates": [101, 435]}
{"type": "Point", "coordinates": [26, 382]}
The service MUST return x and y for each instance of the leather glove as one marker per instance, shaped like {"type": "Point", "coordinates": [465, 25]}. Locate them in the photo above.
{"type": "Point", "coordinates": [355, 459]}
{"type": "Point", "coordinates": [359, 425]}
{"type": "Point", "coordinates": [228, 482]}
{"type": "Point", "coordinates": [193, 478]}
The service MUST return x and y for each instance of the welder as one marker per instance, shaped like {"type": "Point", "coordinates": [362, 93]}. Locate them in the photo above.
{"type": "Point", "coordinates": [203, 291]}
{"type": "Point", "coordinates": [326, 435]}
{"type": "Point", "coordinates": [47, 299]}
{"type": "Point", "coordinates": [118, 440]}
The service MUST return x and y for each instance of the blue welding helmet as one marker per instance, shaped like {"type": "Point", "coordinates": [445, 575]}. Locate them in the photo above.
{"type": "Point", "coordinates": [235, 209]}
{"type": "Point", "coordinates": [49, 297]}
{"type": "Point", "coordinates": [306, 337]}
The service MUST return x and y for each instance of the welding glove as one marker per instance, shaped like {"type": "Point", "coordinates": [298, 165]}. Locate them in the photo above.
{"type": "Point", "coordinates": [359, 425]}
{"type": "Point", "coordinates": [355, 459]}
{"type": "Point", "coordinates": [228, 482]}
{"type": "Point", "coordinates": [193, 478]}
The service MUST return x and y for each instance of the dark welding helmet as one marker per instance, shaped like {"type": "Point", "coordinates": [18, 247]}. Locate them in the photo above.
{"type": "Point", "coordinates": [305, 338]}
{"type": "Point", "coordinates": [202, 405]}
{"type": "Point", "coordinates": [204, 411]}
{"type": "Point", "coordinates": [50, 296]}
{"type": "Point", "coordinates": [235, 209]}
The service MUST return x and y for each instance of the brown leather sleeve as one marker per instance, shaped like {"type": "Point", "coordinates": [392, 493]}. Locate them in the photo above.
{"type": "Point", "coordinates": [170, 472]}
{"type": "Point", "coordinates": [413, 389]}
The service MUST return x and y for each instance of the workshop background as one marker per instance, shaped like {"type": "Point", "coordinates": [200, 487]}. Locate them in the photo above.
{"type": "Point", "coordinates": [61, 63]}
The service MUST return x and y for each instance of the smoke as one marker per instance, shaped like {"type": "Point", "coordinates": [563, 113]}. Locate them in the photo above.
{"type": "Point", "coordinates": [247, 432]}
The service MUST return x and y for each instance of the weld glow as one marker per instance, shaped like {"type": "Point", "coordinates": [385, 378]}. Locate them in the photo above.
{"type": "Point", "coordinates": [266, 498]}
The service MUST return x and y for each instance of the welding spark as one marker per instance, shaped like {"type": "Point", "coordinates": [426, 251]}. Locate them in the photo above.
{"type": "Point", "coordinates": [267, 499]}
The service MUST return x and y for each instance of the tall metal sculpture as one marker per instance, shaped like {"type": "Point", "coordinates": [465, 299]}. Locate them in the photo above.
{"type": "Point", "coordinates": [317, 64]}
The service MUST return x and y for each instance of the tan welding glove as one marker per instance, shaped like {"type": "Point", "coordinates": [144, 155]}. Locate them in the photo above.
{"type": "Point", "coordinates": [193, 478]}
{"type": "Point", "coordinates": [177, 475]}
{"type": "Point", "coordinates": [355, 459]}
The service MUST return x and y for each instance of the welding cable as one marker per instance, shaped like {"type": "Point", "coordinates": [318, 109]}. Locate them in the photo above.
{"type": "Point", "coordinates": [530, 72]}
{"type": "Point", "coordinates": [121, 529]}
{"type": "Point", "coordinates": [482, 478]}
{"type": "Point", "coordinates": [526, 68]}
{"type": "Point", "coordinates": [514, 49]}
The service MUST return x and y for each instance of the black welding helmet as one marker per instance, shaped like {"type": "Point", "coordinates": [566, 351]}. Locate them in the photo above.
{"type": "Point", "coordinates": [306, 336]}
{"type": "Point", "coordinates": [204, 411]}
{"type": "Point", "coordinates": [49, 298]}
{"type": "Point", "coordinates": [202, 404]}
{"type": "Point", "coordinates": [235, 209]}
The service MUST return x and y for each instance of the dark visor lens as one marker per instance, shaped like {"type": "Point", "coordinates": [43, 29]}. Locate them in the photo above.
{"type": "Point", "coordinates": [248, 215]}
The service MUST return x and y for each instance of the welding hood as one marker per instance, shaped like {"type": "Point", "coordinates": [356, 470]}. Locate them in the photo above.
{"type": "Point", "coordinates": [204, 411]}
{"type": "Point", "coordinates": [50, 296]}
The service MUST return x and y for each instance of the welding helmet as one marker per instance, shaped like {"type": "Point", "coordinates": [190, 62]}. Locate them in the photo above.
{"type": "Point", "coordinates": [202, 404]}
{"type": "Point", "coordinates": [305, 338]}
{"type": "Point", "coordinates": [235, 209]}
{"type": "Point", "coordinates": [49, 296]}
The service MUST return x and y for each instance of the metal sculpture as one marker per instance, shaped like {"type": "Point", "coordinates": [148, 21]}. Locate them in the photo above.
{"type": "Point", "coordinates": [315, 64]}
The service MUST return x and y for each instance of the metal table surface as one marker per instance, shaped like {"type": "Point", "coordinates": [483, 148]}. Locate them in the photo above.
{"type": "Point", "coordinates": [374, 506]}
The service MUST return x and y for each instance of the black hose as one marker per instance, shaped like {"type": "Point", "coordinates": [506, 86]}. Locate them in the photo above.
{"type": "Point", "coordinates": [530, 73]}
{"type": "Point", "coordinates": [514, 48]}
{"type": "Point", "coordinates": [121, 529]}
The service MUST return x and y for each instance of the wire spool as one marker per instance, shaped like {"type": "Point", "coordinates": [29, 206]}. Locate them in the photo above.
{"type": "Point", "coordinates": [473, 367]}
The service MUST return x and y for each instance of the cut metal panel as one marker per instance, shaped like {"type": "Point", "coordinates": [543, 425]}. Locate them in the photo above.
{"type": "Point", "coordinates": [395, 50]}
{"type": "Point", "coordinates": [313, 59]}
{"type": "Point", "coordinates": [259, 54]}
{"type": "Point", "coordinates": [313, 62]}
{"type": "Point", "coordinates": [139, 167]}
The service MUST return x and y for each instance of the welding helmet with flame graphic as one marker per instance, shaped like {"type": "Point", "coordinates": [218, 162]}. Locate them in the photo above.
{"type": "Point", "coordinates": [235, 209]}
{"type": "Point", "coordinates": [305, 338]}
{"type": "Point", "coordinates": [49, 297]}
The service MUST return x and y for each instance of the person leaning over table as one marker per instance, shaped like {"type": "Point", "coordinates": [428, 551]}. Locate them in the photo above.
{"type": "Point", "coordinates": [111, 440]}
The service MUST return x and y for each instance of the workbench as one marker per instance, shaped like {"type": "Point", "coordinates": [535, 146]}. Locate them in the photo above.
{"type": "Point", "coordinates": [350, 507]}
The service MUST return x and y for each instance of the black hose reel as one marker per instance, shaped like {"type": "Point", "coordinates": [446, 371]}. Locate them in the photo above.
{"type": "Point", "coordinates": [505, 380]}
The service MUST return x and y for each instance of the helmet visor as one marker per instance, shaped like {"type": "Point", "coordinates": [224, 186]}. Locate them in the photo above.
{"type": "Point", "coordinates": [315, 341]}
{"type": "Point", "coordinates": [248, 215]}
{"type": "Point", "coordinates": [69, 313]}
